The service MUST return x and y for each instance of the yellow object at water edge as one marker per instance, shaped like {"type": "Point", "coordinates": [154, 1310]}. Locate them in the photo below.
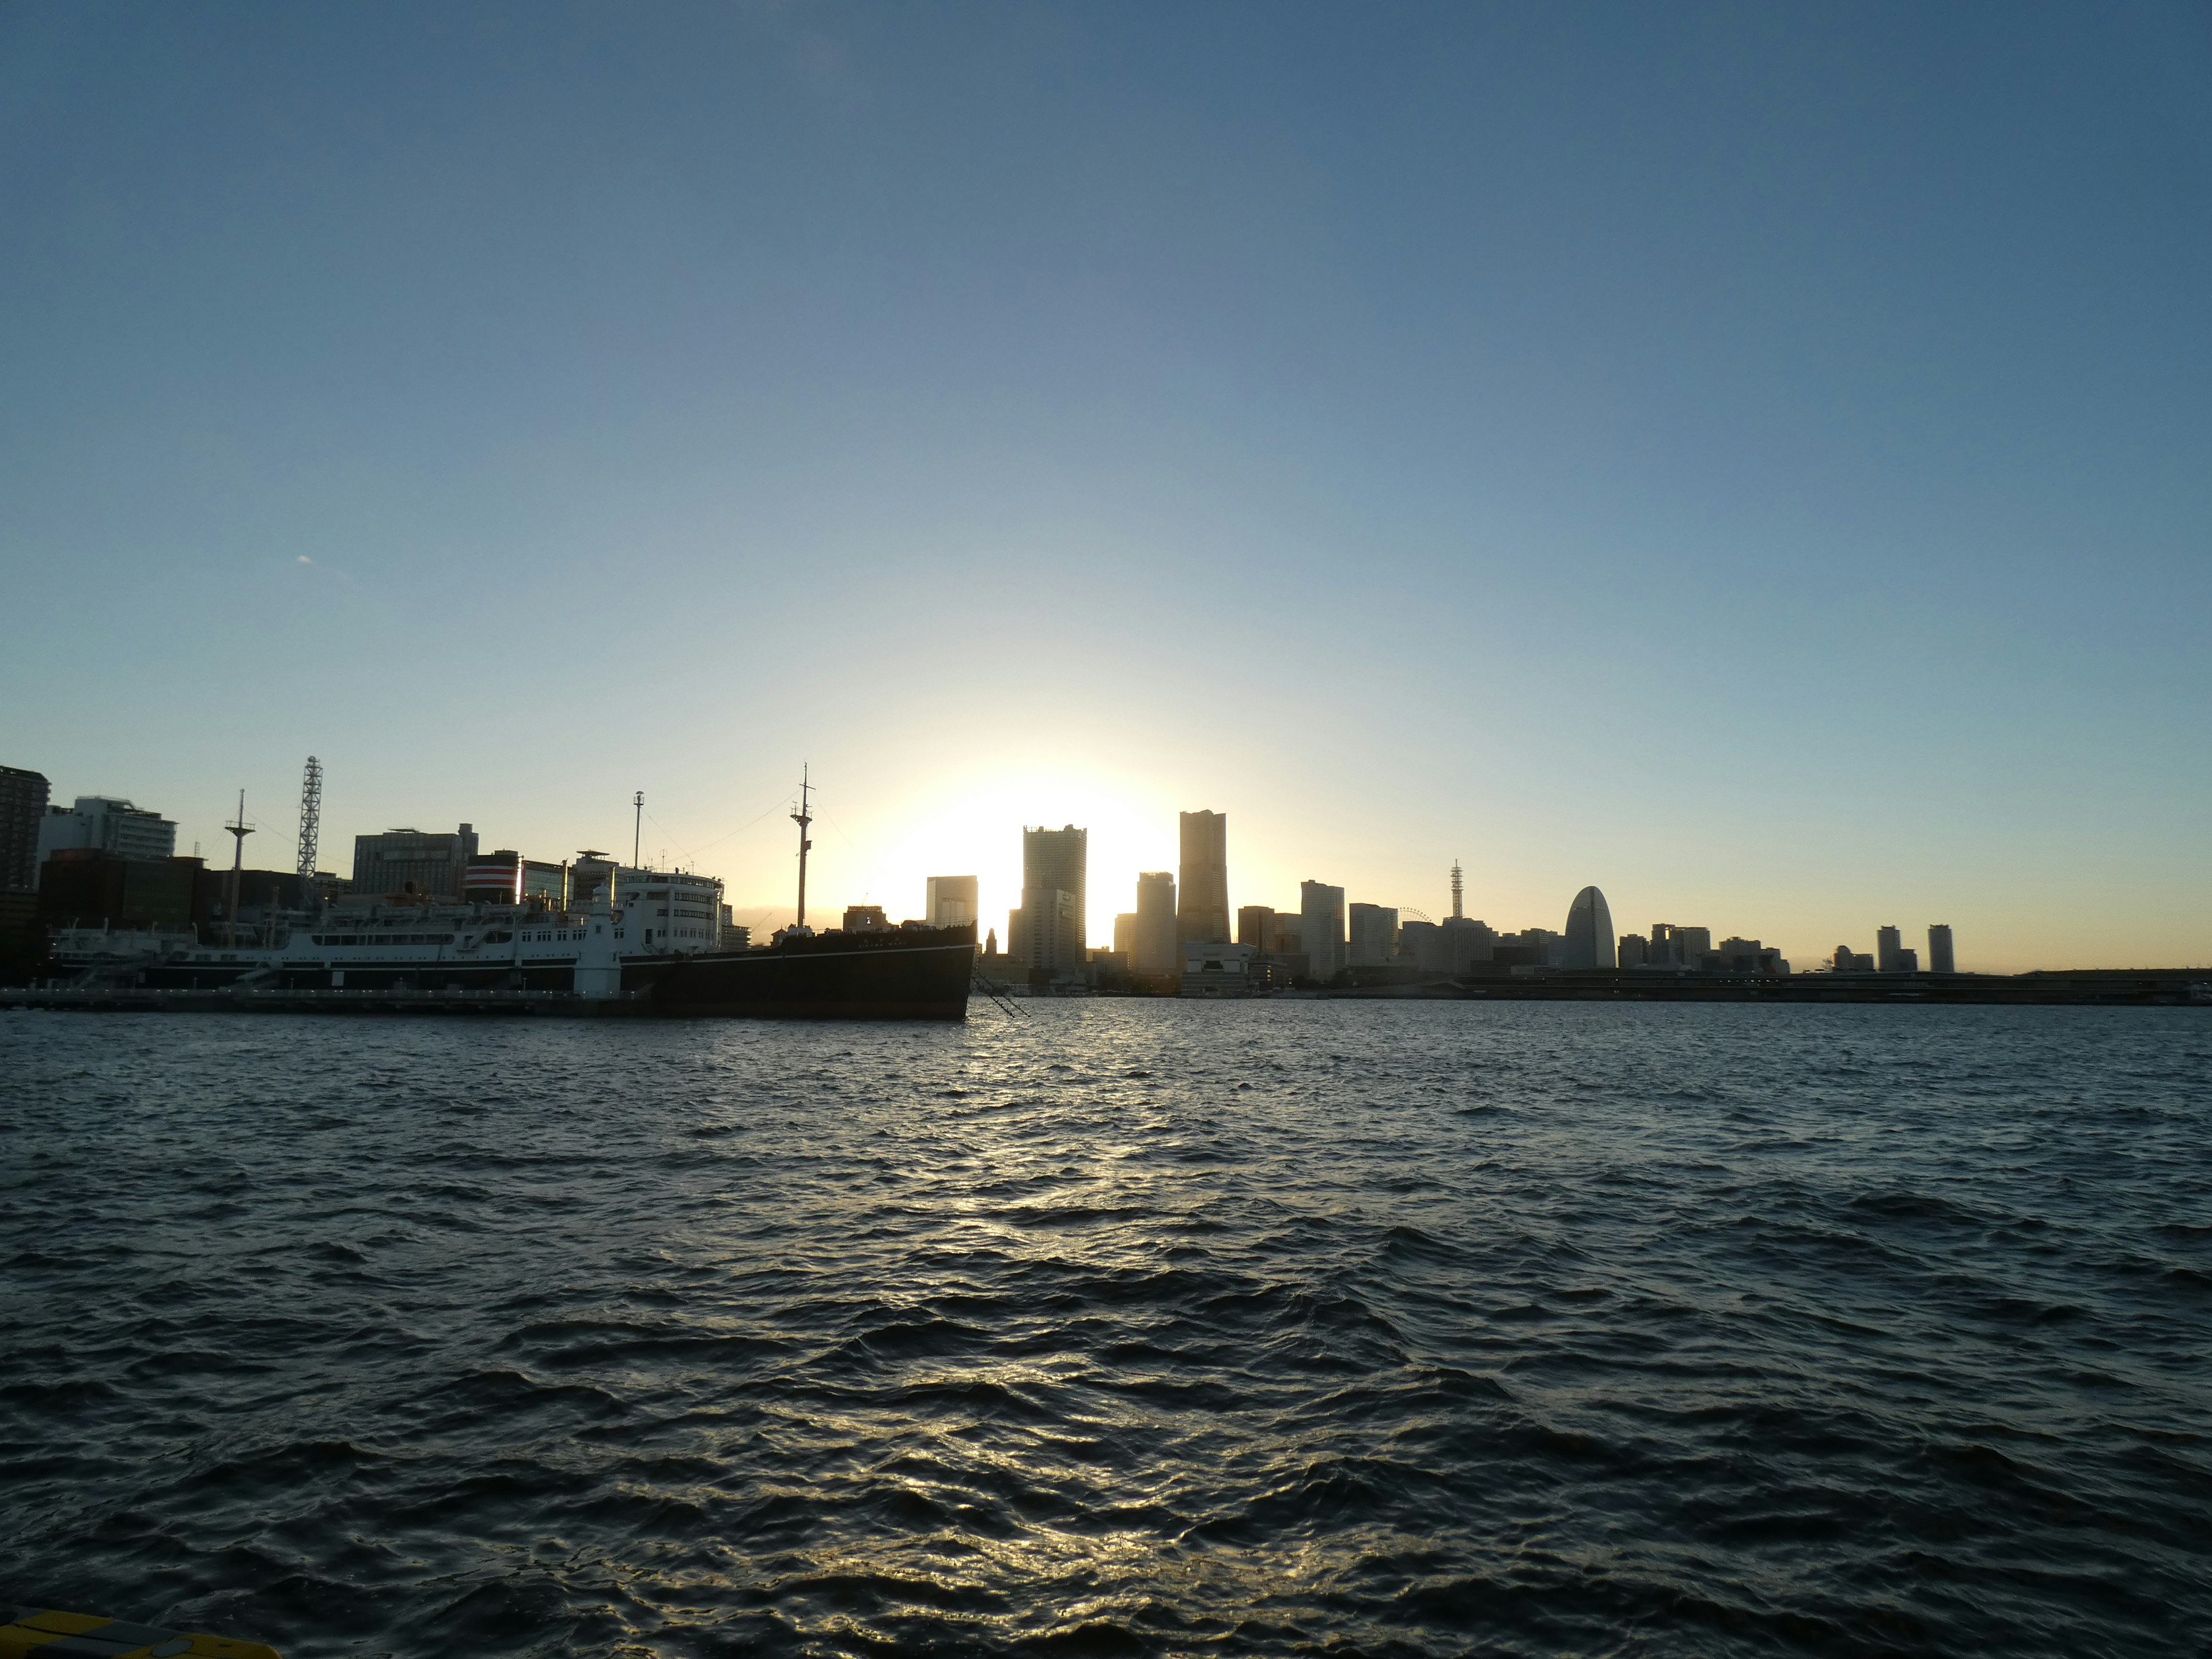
{"type": "Point", "coordinates": [84, 1636]}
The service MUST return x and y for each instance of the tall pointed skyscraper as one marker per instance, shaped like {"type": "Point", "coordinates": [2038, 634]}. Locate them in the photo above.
{"type": "Point", "coordinates": [1202, 890]}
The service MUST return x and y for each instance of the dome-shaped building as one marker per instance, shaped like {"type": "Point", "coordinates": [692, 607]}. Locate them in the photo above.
{"type": "Point", "coordinates": [1589, 931]}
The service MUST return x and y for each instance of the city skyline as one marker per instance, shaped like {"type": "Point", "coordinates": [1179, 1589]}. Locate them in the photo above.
{"type": "Point", "coordinates": [1754, 463]}
{"type": "Point", "coordinates": [997, 894]}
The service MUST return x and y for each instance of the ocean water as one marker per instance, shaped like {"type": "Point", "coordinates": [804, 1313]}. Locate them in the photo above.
{"type": "Point", "coordinates": [1120, 1326]}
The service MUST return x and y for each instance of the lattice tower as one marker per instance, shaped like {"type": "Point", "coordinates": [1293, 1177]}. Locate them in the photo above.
{"type": "Point", "coordinates": [311, 817]}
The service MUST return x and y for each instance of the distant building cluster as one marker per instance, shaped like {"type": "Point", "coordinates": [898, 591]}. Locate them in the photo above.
{"type": "Point", "coordinates": [1182, 935]}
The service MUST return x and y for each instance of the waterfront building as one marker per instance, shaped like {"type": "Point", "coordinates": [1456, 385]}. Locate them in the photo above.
{"type": "Point", "coordinates": [1888, 952]}
{"type": "Point", "coordinates": [1589, 931]}
{"type": "Point", "coordinates": [1320, 912]}
{"type": "Point", "coordinates": [1372, 936]}
{"type": "Point", "coordinates": [22, 814]}
{"type": "Point", "coordinates": [1202, 901]}
{"type": "Point", "coordinates": [1908, 961]}
{"type": "Point", "coordinates": [1255, 926]}
{"type": "Point", "coordinates": [1940, 958]}
{"type": "Point", "coordinates": [431, 864]}
{"type": "Point", "coordinates": [733, 934]}
{"type": "Point", "coordinates": [1214, 968]}
{"type": "Point", "coordinates": [1155, 943]}
{"type": "Point", "coordinates": [106, 825]}
{"type": "Point", "coordinates": [866, 919]}
{"type": "Point", "coordinates": [1125, 936]}
{"type": "Point", "coordinates": [953, 902]}
{"type": "Point", "coordinates": [546, 884]}
{"type": "Point", "coordinates": [1848, 961]}
{"type": "Point", "coordinates": [1633, 950]}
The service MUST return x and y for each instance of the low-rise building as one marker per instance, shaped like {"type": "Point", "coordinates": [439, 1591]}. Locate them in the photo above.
{"type": "Point", "coordinates": [106, 825]}
{"type": "Point", "coordinates": [1212, 968]}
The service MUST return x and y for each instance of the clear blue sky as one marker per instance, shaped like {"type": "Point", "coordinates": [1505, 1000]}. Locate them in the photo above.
{"type": "Point", "coordinates": [1752, 458]}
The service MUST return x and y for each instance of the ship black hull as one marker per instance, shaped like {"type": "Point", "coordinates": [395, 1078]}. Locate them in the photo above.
{"type": "Point", "coordinates": [912, 973]}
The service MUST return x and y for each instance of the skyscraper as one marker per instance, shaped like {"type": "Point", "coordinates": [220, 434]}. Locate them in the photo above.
{"type": "Point", "coordinates": [1888, 951]}
{"type": "Point", "coordinates": [1321, 918]}
{"type": "Point", "coordinates": [952, 901]}
{"type": "Point", "coordinates": [1940, 959]}
{"type": "Point", "coordinates": [1202, 908]}
{"type": "Point", "coordinates": [1125, 937]}
{"type": "Point", "coordinates": [1589, 931]}
{"type": "Point", "coordinates": [1156, 951]}
{"type": "Point", "coordinates": [1054, 864]}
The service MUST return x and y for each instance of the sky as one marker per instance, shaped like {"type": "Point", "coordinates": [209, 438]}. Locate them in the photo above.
{"type": "Point", "coordinates": [1756, 459]}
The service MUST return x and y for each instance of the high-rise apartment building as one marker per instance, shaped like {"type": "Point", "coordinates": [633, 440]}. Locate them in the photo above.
{"type": "Point", "coordinates": [953, 900]}
{"type": "Point", "coordinates": [1321, 913]}
{"type": "Point", "coordinates": [1125, 937]}
{"type": "Point", "coordinates": [1052, 934]}
{"type": "Point", "coordinates": [1202, 891]}
{"type": "Point", "coordinates": [106, 825]}
{"type": "Point", "coordinates": [1940, 959]}
{"type": "Point", "coordinates": [1372, 939]}
{"type": "Point", "coordinates": [1888, 951]}
{"type": "Point", "coordinates": [1154, 950]}
{"type": "Point", "coordinates": [22, 813]}
{"type": "Point", "coordinates": [432, 865]}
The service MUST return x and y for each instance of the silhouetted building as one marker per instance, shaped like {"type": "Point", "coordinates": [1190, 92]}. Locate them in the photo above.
{"type": "Point", "coordinates": [1888, 952]}
{"type": "Point", "coordinates": [430, 863]}
{"type": "Point", "coordinates": [866, 919]}
{"type": "Point", "coordinates": [1125, 937]}
{"type": "Point", "coordinates": [1372, 939]}
{"type": "Point", "coordinates": [1908, 961]}
{"type": "Point", "coordinates": [22, 812]}
{"type": "Point", "coordinates": [1678, 947]}
{"type": "Point", "coordinates": [1461, 942]}
{"type": "Point", "coordinates": [1215, 967]}
{"type": "Point", "coordinates": [1589, 931]}
{"type": "Point", "coordinates": [1321, 913]}
{"type": "Point", "coordinates": [953, 900]}
{"type": "Point", "coordinates": [1848, 961]}
{"type": "Point", "coordinates": [1632, 951]}
{"type": "Point", "coordinates": [1155, 953]}
{"type": "Point", "coordinates": [106, 825]}
{"type": "Point", "coordinates": [87, 887]}
{"type": "Point", "coordinates": [1940, 959]}
{"type": "Point", "coordinates": [1416, 943]}
{"type": "Point", "coordinates": [1202, 890]}
{"type": "Point", "coordinates": [1255, 926]}
{"type": "Point", "coordinates": [1745, 956]}
{"type": "Point", "coordinates": [1045, 934]}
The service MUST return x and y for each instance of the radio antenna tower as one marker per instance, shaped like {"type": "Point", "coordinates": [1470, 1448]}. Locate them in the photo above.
{"type": "Point", "coordinates": [311, 823]}
{"type": "Point", "coordinates": [1458, 892]}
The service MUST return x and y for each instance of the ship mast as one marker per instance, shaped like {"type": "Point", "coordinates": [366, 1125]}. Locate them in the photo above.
{"type": "Point", "coordinates": [240, 831]}
{"type": "Point", "coordinates": [804, 818]}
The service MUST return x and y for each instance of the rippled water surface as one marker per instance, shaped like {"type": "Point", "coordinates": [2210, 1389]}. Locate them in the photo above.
{"type": "Point", "coordinates": [1123, 1326]}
